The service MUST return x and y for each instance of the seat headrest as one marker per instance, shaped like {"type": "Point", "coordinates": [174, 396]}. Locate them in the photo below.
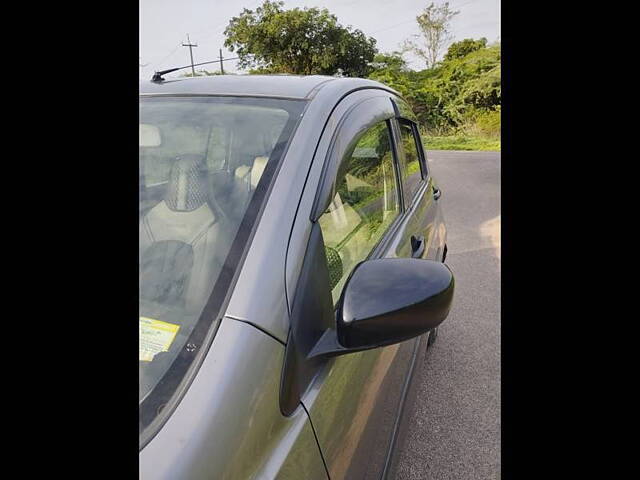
{"type": "Point", "coordinates": [254, 171]}
{"type": "Point", "coordinates": [187, 189]}
{"type": "Point", "coordinates": [259, 165]}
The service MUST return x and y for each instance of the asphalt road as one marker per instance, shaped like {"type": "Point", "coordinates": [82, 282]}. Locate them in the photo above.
{"type": "Point", "coordinates": [452, 422]}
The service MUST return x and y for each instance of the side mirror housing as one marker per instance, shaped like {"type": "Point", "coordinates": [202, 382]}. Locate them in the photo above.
{"type": "Point", "coordinates": [387, 301]}
{"type": "Point", "coordinates": [390, 300]}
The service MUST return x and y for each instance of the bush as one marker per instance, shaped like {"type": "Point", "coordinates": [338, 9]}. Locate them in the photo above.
{"type": "Point", "coordinates": [461, 95]}
{"type": "Point", "coordinates": [464, 48]}
{"type": "Point", "coordinates": [488, 123]}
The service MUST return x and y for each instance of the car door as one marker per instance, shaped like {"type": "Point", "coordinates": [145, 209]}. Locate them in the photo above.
{"type": "Point", "coordinates": [354, 400]}
{"type": "Point", "coordinates": [422, 234]}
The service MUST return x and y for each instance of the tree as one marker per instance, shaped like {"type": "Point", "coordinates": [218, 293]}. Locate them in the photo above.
{"type": "Point", "coordinates": [464, 48]}
{"type": "Point", "coordinates": [460, 92]}
{"type": "Point", "coordinates": [435, 34]}
{"type": "Point", "coordinates": [389, 61]}
{"type": "Point", "coordinates": [300, 41]}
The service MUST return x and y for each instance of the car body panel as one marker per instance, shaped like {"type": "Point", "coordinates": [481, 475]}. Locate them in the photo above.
{"type": "Point", "coordinates": [354, 405]}
{"type": "Point", "coordinates": [228, 424]}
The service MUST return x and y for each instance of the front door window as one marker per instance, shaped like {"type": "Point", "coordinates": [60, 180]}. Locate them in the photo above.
{"type": "Point", "coordinates": [365, 204]}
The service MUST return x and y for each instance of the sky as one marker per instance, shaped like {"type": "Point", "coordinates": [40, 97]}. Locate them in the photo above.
{"type": "Point", "coordinates": [164, 25]}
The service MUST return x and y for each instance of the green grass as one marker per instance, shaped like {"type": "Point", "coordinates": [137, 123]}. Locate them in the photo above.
{"type": "Point", "coordinates": [414, 167]}
{"type": "Point", "coordinates": [460, 142]}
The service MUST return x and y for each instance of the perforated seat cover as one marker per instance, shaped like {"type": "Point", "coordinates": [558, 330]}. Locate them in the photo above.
{"type": "Point", "coordinates": [184, 217]}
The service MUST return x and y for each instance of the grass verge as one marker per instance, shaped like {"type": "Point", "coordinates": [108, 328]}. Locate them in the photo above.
{"type": "Point", "coordinates": [461, 143]}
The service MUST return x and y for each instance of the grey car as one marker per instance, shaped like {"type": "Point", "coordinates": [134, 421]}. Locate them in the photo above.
{"type": "Point", "coordinates": [291, 268]}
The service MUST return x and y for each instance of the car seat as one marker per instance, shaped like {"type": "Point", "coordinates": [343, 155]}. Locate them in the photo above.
{"type": "Point", "coordinates": [181, 242]}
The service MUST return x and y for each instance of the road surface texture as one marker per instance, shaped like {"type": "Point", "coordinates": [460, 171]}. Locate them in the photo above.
{"type": "Point", "coordinates": [451, 426]}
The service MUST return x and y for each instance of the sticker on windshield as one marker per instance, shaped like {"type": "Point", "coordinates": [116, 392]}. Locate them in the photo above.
{"type": "Point", "coordinates": [155, 337]}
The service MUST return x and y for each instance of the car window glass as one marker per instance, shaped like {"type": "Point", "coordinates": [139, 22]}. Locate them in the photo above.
{"type": "Point", "coordinates": [365, 204]}
{"type": "Point", "coordinates": [410, 164]}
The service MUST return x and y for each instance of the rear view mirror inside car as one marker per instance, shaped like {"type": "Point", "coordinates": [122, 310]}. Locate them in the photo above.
{"type": "Point", "coordinates": [149, 135]}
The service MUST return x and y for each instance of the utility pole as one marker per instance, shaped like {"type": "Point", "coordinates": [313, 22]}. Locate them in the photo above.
{"type": "Point", "coordinates": [221, 67]}
{"type": "Point", "coordinates": [190, 45]}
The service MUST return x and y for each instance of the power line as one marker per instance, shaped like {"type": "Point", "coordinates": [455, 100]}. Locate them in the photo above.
{"type": "Point", "coordinates": [215, 28]}
{"type": "Point", "coordinates": [158, 63]}
{"type": "Point", "coordinates": [413, 19]}
{"type": "Point", "coordinates": [220, 60]}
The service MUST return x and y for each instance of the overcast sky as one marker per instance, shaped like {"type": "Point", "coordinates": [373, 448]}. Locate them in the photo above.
{"type": "Point", "coordinates": [164, 25]}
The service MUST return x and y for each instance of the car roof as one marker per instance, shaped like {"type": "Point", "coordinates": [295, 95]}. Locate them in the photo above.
{"type": "Point", "coordinates": [284, 86]}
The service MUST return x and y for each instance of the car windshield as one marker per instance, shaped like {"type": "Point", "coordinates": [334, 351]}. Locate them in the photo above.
{"type": "Point", "coordinates": [204, 165]}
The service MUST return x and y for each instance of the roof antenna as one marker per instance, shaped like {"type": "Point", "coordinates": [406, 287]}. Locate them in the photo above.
{"type": "Point", "coordinates": [157, 76]}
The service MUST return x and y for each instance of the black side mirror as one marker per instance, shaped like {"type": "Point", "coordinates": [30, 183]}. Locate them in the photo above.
{"type": "Point", "coordinates": [387, 301]}
{"type": "Point", "coordinates": [390, 300]}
